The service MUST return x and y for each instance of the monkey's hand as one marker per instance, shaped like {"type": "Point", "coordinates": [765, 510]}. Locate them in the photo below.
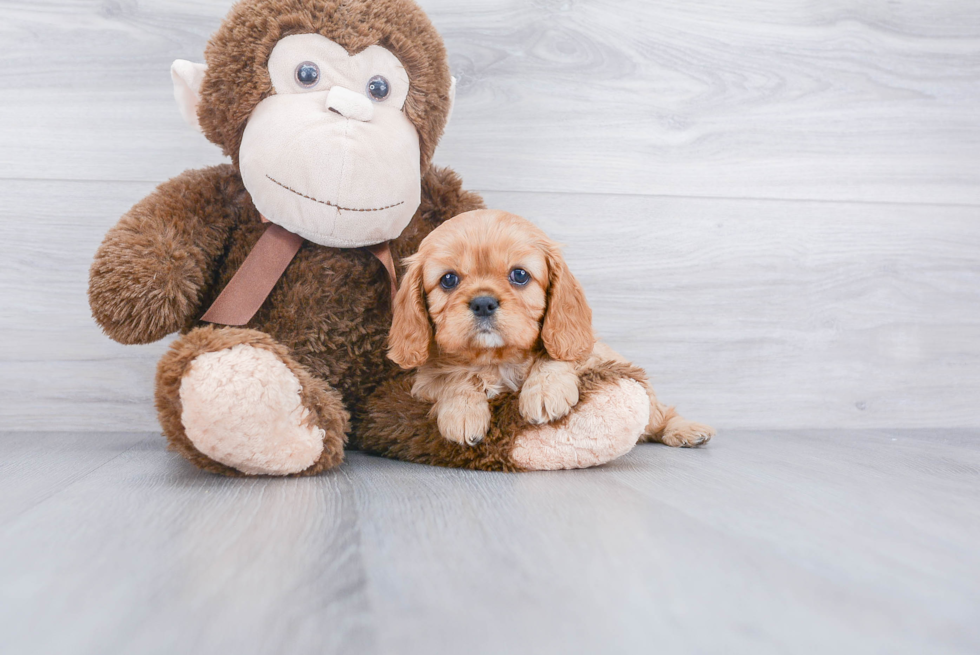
{"type": "Point", "coordinates": [550, 391]}
{"type": "Point", "coordinates": [150, 272]}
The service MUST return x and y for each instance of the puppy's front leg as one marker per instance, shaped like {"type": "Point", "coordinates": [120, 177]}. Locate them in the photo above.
{"type": "Point", "coordinates": [550, 391]}
{"type": "Point", "coordinates": [463, 416]}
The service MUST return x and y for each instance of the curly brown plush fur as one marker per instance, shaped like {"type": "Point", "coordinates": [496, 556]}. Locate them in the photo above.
{"type": "Point", "coordinates": [166, 261]}
{"type": "Point", "coordinates": [399, 426]}
{"type": "Point", "coordinates": [326, 407]}
{"type": "Point", "coordinates": [327, 317]}
{"type": "Point", "coordinates": [155, 266]}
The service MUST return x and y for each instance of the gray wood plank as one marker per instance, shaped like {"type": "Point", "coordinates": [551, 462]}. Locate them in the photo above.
{"type": "Point", "coordinates": [35, 466]}
{"type": "Point", "coordinates": [56, 366]}
{"type": "Point", "coordinates": [783, 314]}
{"type": "Point", "coordinates": [834, 100]}
{"type": "Point", "coordinates": [764, 542]}
{"type": "Point", "coordinates": [146, 554]}
{"type": "Point", "coordinates": [782, 543]}
{"type": "Point", "coordinates": [746, 313]}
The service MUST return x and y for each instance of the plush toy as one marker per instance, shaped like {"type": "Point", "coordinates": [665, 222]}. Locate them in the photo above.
{"type": "Point", "coordinates": [278, 268]}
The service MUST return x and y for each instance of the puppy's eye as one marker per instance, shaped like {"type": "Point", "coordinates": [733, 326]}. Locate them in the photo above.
{"type": "Point", "coordinates": [520, 277]}
{"type": "Point", "coordinates": [308, 74]}
{"type": "Point", "coordinates": [449, 281]}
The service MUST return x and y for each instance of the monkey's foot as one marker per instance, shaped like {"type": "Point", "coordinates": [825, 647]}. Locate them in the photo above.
{"type": "Point", "coordinates": [242, 408]}
{"type": "Point", "coordinates": [243, 405]}
{"type": "Point", "coordinates": [601, 428]}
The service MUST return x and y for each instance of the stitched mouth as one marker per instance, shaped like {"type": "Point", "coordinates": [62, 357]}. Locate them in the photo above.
{"type": "Point", "coordinates": [331, 204]}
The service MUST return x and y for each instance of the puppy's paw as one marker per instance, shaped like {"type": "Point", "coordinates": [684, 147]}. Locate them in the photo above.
{"type": "Point", "coordinates": [549, 393]}
{"type": "Point", "coordinates": [681, 433]}
{"type": "Point", "coordinates": [462, 422]}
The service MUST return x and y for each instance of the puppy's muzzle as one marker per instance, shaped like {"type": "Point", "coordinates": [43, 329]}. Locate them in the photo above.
{"type": "Point", "coordinates": [484, 306]}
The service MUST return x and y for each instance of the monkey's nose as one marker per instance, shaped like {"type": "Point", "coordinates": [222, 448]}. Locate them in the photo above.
{"type": "Point", "coordinates": [484, 306]}
{"type": "Point", "coordinates": [349, 104]}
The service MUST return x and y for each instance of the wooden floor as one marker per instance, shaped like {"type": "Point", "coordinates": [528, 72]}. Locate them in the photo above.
{"type": "Point", "coordinates": [774, 208]}
{"type": "Point", "coordinates": [764, 542]}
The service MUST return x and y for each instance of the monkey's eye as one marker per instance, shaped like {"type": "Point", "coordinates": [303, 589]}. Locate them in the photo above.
{"type": "Point", "coordinates": [308, 74]}
{"type": "Point", "coordinates": [449, 281]}
{"type": "Point", "coordinates": [520, 277]}
{"type": "Point", "coordinates": [378, 88]}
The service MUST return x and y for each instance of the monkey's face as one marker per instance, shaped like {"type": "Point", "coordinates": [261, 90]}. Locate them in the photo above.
{"type": "Point", "coordinates": [331, 156]}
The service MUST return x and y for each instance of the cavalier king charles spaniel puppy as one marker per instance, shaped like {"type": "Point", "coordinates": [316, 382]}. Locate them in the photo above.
{"type": "Point", "coordinates": [507, 315]}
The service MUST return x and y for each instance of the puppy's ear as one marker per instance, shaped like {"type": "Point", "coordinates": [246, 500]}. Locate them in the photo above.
{"type": "Point", "coordinates": [567, 329]}
{"type": "Point", "coordinates": [411, 332]}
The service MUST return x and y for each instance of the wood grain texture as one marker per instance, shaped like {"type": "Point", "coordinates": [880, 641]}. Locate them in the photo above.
{"type": "Point", "coordinates": [37, 466]}
{"type": "Point", "coordinates": [177, 561]}
{"type": "Point", "coordinates": [766, 542]}
{"type": "Point", "coordinates": [773, 208]}
{"type": "Point", "coordinates": [833, 100]}
{"type": "Point", "coordinates": [746, 313]}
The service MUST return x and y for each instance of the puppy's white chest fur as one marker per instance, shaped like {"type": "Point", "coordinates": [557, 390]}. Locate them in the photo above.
{"type": "Point", "coordinates": [494, 380]}
{"type": "Point", "coordinates": [489, 379]}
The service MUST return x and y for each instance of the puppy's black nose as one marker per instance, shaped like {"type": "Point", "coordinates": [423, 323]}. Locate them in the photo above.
{"type": "Point", "coordinates": [484, 305]}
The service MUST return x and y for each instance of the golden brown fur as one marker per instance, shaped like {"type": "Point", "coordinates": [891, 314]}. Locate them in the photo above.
{"type": "Point", "coordinates": [484, 246]}
{"type": "Point", "coordinates": [531, 339]}
{"type": "Point", "coordinates": [540, 342]}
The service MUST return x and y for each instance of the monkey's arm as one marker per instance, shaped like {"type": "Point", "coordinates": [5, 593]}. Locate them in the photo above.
{"type": "Point", "coordinates": [154, 266]}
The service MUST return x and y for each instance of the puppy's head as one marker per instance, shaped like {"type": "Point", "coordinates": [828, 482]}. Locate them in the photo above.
{"type": "Point", "coordinates": [488, 281]}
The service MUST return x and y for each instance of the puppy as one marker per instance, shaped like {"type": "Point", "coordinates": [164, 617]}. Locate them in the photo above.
{"type": "Point", "coordinates": [488, 305]}
{"type": "Point", "coordinates": [508, 315]}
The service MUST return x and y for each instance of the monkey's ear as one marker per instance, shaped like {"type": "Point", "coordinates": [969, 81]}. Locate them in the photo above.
{"type": "Point", "coordinates": [187, 77]}
{"type": "Point", "coordinates": [452, 100]}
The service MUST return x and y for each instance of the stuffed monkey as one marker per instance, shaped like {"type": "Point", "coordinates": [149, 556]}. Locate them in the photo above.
{"type": "Point", "coordinates": [277, 269]}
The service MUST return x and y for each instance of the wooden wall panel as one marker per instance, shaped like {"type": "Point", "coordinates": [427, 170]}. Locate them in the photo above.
{"type": "Point", "coordinates": [747, 313]}
{"type": "Point", "coordinates": [774, 206]}
{"type": "Point", "coordinates": [833, 100]}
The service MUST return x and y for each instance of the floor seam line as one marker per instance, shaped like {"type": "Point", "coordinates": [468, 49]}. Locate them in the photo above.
{"type": "Point", "coordinates": [71, 484]}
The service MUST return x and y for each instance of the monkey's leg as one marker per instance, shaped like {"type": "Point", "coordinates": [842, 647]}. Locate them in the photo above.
{"type": "Point", "coordinates": [610, 416]}
{"type": "Point", "coordinates": [666, 426]}
{"type": "Point", "coordinates": [233, 401]}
